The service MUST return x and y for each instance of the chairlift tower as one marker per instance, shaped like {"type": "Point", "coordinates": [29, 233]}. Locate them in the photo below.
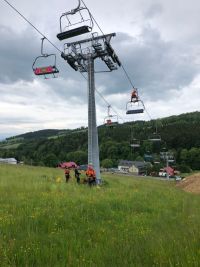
{"type": "Point", "coordinates": [81, 56]}
{"type": "Point", "coordinates": [168, 157]}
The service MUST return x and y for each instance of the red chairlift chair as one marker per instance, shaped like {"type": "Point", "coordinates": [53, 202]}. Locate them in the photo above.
{"type": "Point", "coordinates": [45, 69]}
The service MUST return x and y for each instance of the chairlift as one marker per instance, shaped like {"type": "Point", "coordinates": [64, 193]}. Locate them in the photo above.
{"type": "Point", "coordinates": [84, 20]}
{"type": "Point", "coordinates": [165, 154]}
{"type": "Point", "coordinates": [135, 143]}
{"type": "Point", "coordinates": [148, 157]}
{"type": "Point", "coordinates": [45, 69]}
{"type": "Point", "coordinates": [134, 107]}
{"type": "Point", "coordinates": [111, 120]}
{"type": "Point", "coordinates": [155, 137]}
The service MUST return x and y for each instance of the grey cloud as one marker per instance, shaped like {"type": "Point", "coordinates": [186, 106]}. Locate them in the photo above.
{"type": "Point", "coordinates": [154, 65]}
{"type": "Point", "coordinates": [16, 55]}
{"type": "Point", "coordinates": [154, 10]}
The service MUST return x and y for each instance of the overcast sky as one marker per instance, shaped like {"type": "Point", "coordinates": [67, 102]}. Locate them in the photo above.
{"type": "Point", "coordinates": [157, 41]}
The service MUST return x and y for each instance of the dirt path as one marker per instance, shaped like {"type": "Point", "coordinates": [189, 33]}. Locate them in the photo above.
{"type": "Point", "coordinates": [191, 183]}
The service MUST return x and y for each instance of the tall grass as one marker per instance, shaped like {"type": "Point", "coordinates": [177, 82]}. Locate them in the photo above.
{"type": "Point", "coordinates": [127, 222]}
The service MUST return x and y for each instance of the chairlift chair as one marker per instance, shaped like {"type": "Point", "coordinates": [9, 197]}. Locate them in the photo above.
{"type": "Point", "coordinates": [111, 120]}
{"type": "Point", "coordinates": [45, 69]}
{"type": "Point", "coordinates": [155, 137]}
{"type": "Point", "coordinates": [148, 156]}
{"type": "Point", "coordinates": [134, 107]}
{"type": "Point", "coordinates": [84, 18]}
{"type": "Point", "coordinates": [165, 154]}
{"type": "Point", "coordinates": [135, 143]}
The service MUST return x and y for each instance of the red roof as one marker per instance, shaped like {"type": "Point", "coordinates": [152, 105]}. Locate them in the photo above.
{"type": "Point", "coordinates": [169, 170]}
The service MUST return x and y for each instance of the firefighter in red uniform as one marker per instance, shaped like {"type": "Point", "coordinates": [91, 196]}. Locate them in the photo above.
{"type": "Point", "coordinates": [134, 96]}
{"type": "Point", "coordinates": [91, 175]}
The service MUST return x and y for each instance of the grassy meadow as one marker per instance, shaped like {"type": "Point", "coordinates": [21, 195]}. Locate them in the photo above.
{"type": "Point", "coordinates": [127, 222]}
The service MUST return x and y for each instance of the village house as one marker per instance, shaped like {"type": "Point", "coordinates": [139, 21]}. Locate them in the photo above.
{"type": "Point", "coordinates": [168, 170]}
{"type": "Point", "coordinates": [134, 167]}
{"type": "Point", "coordinates": [8, 161]}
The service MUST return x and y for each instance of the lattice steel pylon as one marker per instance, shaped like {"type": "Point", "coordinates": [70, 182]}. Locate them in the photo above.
{"type": "Point", "coordinates": [80, 56]}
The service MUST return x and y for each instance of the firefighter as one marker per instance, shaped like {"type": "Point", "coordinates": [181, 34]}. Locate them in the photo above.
{"type": "Point", "coordinates": [67, 174]}
{"type": "Point", "coordinates": [134, 96]}
{"type": "Point", "coordinates": [77, 175]}
{"type": "Point", "coordinates": [91, 175]}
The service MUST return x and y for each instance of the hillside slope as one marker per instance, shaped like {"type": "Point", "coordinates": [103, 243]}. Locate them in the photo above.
{"type": "Point", "coordinates": [127, 222]}
{"type": "Point", "coordinates": [179, 134]}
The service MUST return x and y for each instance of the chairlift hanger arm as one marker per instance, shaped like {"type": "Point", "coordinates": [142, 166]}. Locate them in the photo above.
{"type": "Point", "coordinates": [42, 47]}
{"type": "Point", "coordinates": [83, 29]}
{"type": "Point", "coordinates": [73, 11]}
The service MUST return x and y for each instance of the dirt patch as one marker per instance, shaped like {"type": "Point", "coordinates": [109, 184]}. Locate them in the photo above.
{"type": "Point", "coordinates": [191, 183]}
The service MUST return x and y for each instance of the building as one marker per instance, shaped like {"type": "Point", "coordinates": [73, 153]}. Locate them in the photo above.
{"type": "Point", "coordinates": [167, 170]}
{"type": "Point", "coordinates": [134, 167]}
{"type": "Point", "coordinates": [8, 161]}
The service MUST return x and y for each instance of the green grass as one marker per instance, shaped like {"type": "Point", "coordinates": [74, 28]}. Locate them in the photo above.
{"type": "Point", "coordinates": [127, 222]}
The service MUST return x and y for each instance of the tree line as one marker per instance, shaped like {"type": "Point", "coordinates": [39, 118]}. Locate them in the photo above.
{"type": "Point", "coordinates": [179, 134]}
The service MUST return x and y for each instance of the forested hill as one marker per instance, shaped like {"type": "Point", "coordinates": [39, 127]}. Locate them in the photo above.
{"type": "Point", "coordinates": [179, 134]}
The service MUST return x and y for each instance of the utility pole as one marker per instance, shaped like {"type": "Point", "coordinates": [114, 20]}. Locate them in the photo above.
{"type": "Point", "coordinates": [81, 57]}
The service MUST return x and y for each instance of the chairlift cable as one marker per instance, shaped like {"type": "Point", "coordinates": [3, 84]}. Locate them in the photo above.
{"type": "Point", "coordinates": [32, 25]}
{"type": "Point", "coordinates": [107, 103]}
{"type": "Point", "coordinates": [147, 112]}
{"type": "Point", "coordinates": [126, 73]}
{"type": "Point", "coordinates": [93, 18]}
{"type": "Point", "coordinates": [128, 77]}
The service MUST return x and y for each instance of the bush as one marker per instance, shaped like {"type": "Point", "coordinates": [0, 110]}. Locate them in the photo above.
{"type": "Point", "coordinates": [184, 168]}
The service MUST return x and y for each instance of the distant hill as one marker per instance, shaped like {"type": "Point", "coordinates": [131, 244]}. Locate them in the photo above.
{"type": "Point", "coordinates": [179, 134]}
{"type": "Point", "coordinates": [38, 134]}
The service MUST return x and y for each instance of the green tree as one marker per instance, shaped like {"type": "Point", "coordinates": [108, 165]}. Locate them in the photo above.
{"type": "Point", "coordinates": [50, 160]}
{"type": "Point", "coordinates": [107, 163]}
{"type": "Point", "coordinates": [184, 155]}
{"type": "Point", "coordinates": [194, 158]}
{"type": "Point", "coordinates": [80, 157]}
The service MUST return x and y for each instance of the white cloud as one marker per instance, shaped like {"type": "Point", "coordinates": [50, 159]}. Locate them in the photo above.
{"type": "Point", "coordinates": [158, 44]}
{"type": "Point", "coordinates": [177, 101]}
